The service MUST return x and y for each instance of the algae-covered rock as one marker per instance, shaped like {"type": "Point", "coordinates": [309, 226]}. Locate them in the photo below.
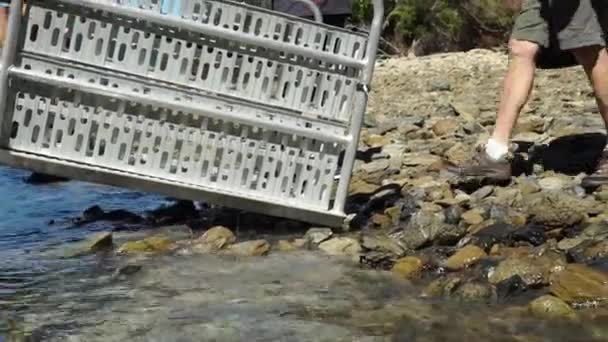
{"type": "Point", "coordinates": [156, 243]}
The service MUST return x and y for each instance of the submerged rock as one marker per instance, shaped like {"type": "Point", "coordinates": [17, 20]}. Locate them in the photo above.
{"type": "Point", "coordinates": [474, 291]}
{"type": "Point", "coordinates": [249, 248]}
{"type": "Point", "coordinates": [156, 243]}
{"type": "Point", "coordinates": [341, 246]}
{"type": "Point", "coordinates": [97, 243]}
{"type": "Point", "coordinates": [408, 267]}
{"type": "Point", "coordinates": [579, 284]}
{"type": "Point", "coordinates": [551, 307]}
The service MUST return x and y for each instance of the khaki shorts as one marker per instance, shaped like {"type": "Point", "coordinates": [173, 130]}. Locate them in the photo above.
{"type": "Point", "coordinates": [561, 25]}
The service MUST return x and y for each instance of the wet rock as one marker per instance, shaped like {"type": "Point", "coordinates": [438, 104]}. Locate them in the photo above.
{"type": "Point", "coordinates": [317, 235]}
{"type": "Point", "coordinates": [41, 178]}
{"type": "Point", "coordinates": [290, 246]}
{"type": "Point", "coordinates": [579, 284]}
{"type": "Point", "coordinates": [377, 260]}
{"type": "Point", "coordinates": [551, 307]}
{"type": "Point", "coordinates": [249, 248]}
{"type": "Point", "coordinates": [511, 287]}
{"type": "Point", "coordinates": [445, 127]}
{"type": "Point", "coordinates": [527, 186]}
{"type": "Point", "coordinates": [97, 243]}
{"type": "Point", "coordinates": [101, 241]}
{"type": "Point", "coordinates": [533, 234]}
{"type": "Point", "coordinates": [382, 244]}
{"type": "Point", "coordinates": [157, 244]}
{"type": "Point", "coordinates": [474, 291]}
{"type": "Point", "coordinates": [531, 273]}
{"type": "Point", "coordinates": [408, 267]}
{"type": "Point", "coordinates": [556, 210]}
{"type": "Point", "coordinates": [214, 239]}
{"type": "Point", "coordinates": [95, 213]}
{"type": "Point", "coordinates": [488, 236]}
{"type": "Point", "coordinates": [464, 258]}
{"type": "Point", "coordinates": [426, 227]}
{"type": "Point", "coordinates": [592, 232]}
{"type": "Point", "coordinates": [175, 213]}
{"type": "Point", "coordinates": [341, 246]}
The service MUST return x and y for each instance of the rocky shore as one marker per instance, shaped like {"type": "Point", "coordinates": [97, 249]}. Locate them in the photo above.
{"type": "Point", "coordinates": [538, 241]}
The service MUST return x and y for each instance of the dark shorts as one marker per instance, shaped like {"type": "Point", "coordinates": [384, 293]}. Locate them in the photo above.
{"type": "Point", "coordinates": [562, 25]}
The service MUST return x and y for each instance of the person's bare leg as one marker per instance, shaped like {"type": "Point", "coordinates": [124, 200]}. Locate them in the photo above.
{"type": "Point", "coordinates": [517, 87]}
{"type": "Point", "coordinates": [594, 60]}
{"type": "Point", "coordinates": [492, 163]}
{"type": "Point", "coordinates": [3, 24]}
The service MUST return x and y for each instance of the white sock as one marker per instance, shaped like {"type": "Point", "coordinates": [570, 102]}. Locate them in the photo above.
{"type": "Point", "coordinates": [496, 150]}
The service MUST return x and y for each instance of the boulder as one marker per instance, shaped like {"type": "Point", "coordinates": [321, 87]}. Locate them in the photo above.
{"type": "Point", "coordinates": [341, 246]}
{"type": "Point", "coordinates": [214, 239]}
{"type": "Point", "coordinates": [526, 268]}
{"type": "Point", "coordinates": [317, 235]}
{"type": "Point", "coordinates": [156, 243]}
{"type": "Point", "coordinates": [249, 248]}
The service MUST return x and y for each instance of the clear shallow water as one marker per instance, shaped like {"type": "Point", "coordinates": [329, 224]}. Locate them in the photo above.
{"type": "Point", "coordinates": [300, 296]}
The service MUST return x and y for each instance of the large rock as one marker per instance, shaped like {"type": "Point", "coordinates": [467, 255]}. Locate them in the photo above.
{"type": "Point", "coordinates": [156, 243]}
{"type": "Point", "coordinates": [249, 248]}
{"type": "Point", "coordinates": [382, 244]}
{"type": "Point", "coordinates": [555, 209]}
{"type": "Point", "coordinates": [341, 246]}
{"type": "Point", "coordinates": [214, 239]}
{"type": "Point", "coordinates": [526, 268]}
{"type": "Point", "coordinates": [577, 284]}
{"type": "Point", "coordinates": [97, 243]}
{"type": "Point", "coordinates": [408, 267]}
{"type": "Point", "coordinates": [318, 235]}
{"type": "Point", "coordinates": [464, 258]}
{"type": "Point", "coordinates": [551, 307]}
{"type": "Point", "coordinates": [426, 227]}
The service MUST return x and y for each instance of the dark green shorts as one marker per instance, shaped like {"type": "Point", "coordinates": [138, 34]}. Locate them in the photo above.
{"type": "Point", "coordinates": [562, 25]}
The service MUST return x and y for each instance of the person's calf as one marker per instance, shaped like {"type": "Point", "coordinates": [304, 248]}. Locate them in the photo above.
{"type": "Point", "coordinates": [516, 90]}
{"type": "Point", "coordinates": [594, 60]}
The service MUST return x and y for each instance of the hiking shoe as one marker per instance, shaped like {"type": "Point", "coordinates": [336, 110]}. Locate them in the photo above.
{"type": "Point", "coordinates": [600, 176]}
{"type": "Point", "coordinates": [485, 167]}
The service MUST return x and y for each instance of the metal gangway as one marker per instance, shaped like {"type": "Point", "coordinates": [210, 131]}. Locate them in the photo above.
{"type": "Point", "coordinates": [213, 101]}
